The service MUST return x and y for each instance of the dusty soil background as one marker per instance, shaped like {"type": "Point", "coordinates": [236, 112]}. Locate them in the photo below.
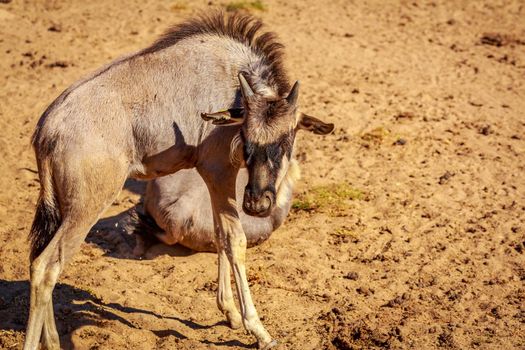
{"type": "Point", "coordinates": [417, 239]}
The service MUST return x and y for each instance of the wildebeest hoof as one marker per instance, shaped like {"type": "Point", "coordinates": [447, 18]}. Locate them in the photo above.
{"type": "Point", "coordinates": [234, 320]}
{"type": "Point", "coordinates": [235, 324]}
{"type": "Point", "coordinates": [269, 345]}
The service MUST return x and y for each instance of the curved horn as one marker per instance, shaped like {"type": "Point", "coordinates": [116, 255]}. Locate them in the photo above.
{"type": "Point", "coordinates": [294, 94]}
{"type": "Point", "coordinates": [246, 90]}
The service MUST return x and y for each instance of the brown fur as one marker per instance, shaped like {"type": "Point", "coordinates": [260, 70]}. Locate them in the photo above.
{"type": "Point", "coordinates": [268, 121]}
{"type": "Point", "coordinates": [240, 27]}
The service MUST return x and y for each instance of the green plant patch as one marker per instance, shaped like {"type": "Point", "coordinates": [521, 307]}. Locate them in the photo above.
{"type": "Point", "coordinates": [179, 5]}
{"type": "Point", "coordinates": [245, 5]}
{"type": "Point", "coordinates": [376, 135]}
{"type": "Point", "coordinates": [334, 197]}
{"type": "Point", "coordinates": [344, 231]}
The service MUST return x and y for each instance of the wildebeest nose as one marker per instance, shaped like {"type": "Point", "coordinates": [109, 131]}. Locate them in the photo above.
{"type": "Point", "coordinates": [257, 205]}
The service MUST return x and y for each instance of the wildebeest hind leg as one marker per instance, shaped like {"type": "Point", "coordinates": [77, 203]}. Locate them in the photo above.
{"type": "Point", "coordinates": [50, 338]}
{"type": "Point", "coordinates": [82, 192]}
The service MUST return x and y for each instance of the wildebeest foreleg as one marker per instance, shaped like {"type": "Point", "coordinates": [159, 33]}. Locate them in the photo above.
{"type": "Point", "coordinates": [225, 300]}
{"type": "Point", "coordinates": [233, 246]}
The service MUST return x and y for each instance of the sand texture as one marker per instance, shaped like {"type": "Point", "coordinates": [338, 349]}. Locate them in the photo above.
{"type": "Point", "coordinates": [408, 230]}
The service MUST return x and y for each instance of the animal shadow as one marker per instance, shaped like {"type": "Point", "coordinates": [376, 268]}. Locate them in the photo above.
{"type": "Point", "coordinates": [75, 308]}
{"type": "Point", "coordinates": [117, 237]}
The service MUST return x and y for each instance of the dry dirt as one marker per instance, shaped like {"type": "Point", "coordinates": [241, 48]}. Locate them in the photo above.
{"type": "Point", "coordinates": [428, 98]}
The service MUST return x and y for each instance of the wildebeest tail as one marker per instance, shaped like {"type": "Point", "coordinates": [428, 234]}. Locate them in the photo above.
{"type": "Point", "coordinates": [144, 225]}
{"type": "Point", "coordinates": [47, 216]}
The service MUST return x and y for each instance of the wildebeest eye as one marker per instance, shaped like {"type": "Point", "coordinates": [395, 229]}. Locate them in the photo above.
{"type": "Point", "coordinates": [286, 145]}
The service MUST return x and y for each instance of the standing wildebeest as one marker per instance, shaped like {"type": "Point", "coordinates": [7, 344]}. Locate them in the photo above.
{"type": "Point", "coordinates": [140, 117]}
{"type": "Point", "coordinates": [178, 210]}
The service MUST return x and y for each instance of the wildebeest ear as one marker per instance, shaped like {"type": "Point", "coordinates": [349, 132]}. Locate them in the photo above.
{"type": "Point", "coordinates": [232, 116]}
{"type": "Point", "coordinates": [314, 125]}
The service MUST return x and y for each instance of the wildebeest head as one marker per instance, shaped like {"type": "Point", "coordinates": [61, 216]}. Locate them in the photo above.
{"type": "Point", "coordinates": [267, 136]}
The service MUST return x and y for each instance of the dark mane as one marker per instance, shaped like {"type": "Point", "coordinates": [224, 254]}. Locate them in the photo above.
{"type": "Point", "coordinates": [239, 27]}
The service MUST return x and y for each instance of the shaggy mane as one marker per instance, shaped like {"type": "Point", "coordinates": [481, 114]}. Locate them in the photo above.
{"type": "Point", "coordinates": [239, 27]}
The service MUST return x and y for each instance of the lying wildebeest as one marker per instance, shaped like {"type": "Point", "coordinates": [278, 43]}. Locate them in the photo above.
{"type": "Point", "coordinates": [142, 117]}
{"type": "Point", "coordinates": [178, 210]}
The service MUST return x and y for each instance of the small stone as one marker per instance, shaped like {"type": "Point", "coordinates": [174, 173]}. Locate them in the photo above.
{"type": "Point", "coordinates": [485, 130]}
{"type": "Point", "coordinates": [394, 302]}
{"type": "Point", "coordinates": [364, 291]}
{"type": "Point", "coordinates": [493, 39]}
{"type": "Point", "coordinates": [57, 28]}
{"type": "Point", "coordinates": [351, 276]}
{"type": "Point", "coordinates": [400, 142]}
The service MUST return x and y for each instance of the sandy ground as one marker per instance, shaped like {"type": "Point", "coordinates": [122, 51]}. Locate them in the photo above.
{"type": "Point", "coordinates": [428, 99]}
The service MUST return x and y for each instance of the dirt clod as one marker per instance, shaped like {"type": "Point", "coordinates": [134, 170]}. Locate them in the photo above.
{"type": "Point", "coordinates": [57, 28]}
{"type": "Point", "coordinates": [485, 130]}
{"type": "Point", "coordinates": [446, 340]}
{"type": "Point", "coordinates": [443, 179]}
{"type": "Point", "coordinates": [400, 142]}
{"type": "Point", "coordinates": [58, 64]}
